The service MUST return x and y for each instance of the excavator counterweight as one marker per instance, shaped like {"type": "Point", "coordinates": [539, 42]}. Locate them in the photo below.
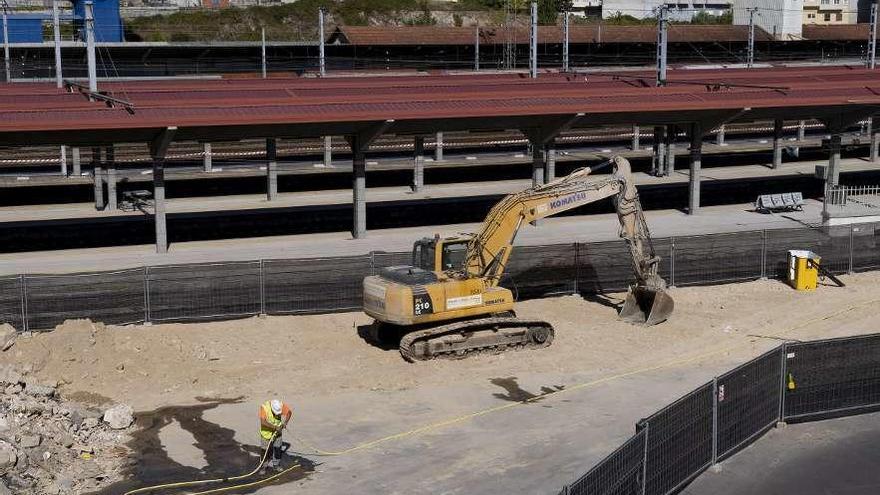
{"type": "Point", "coordinates": [449, 304]}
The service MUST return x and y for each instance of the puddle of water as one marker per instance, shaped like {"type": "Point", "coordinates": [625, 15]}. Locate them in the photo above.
{"type": "Point", "coordinates": [223, 456]}
{"type": "Point", "coordinates": [515, 393]}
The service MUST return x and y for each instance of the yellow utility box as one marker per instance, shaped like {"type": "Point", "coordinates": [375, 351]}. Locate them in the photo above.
{"type": "Point", "coordinates": [803, 269]}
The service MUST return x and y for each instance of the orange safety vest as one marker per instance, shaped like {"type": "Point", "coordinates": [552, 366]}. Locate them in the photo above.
{"type": "Point", "coordinates": [267, 433]}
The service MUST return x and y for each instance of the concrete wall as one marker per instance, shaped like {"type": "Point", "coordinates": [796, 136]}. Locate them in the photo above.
{"type": "Point", "coordinates": [782, 18]}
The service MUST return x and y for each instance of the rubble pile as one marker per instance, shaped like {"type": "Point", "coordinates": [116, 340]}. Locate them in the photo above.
{"type": "Point", "coordinates": [49, 445]}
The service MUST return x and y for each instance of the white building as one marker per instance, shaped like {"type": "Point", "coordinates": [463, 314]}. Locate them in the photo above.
{"type": "Point", "coordinates": [681, 10]}
{"type": "Point", "coordinates": [783, 19]}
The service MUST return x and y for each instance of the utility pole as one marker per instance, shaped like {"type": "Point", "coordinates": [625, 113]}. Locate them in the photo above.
{"type": "Point", "coordinates": [6, 42]}
{"type": "Point", "coordinates": [872, 44]}
{"type": "Point", "coordinates": [750, 57]}
{"type": "Point", "coordinates": [565, 41]}
{"type": "Point", "coordinates": [533, 43]}
{"type": "Point", "coordinates": [322, 69]}
{"type": "Point", "coordinates": [90, 46]}
{"type": "Point", "coordinates": [662, 27]}
{"type": "Point", "coordinates": [509, 35]}
{"type": "Point", "coordinates": [263, 50]}
{"type": "Point", "coordinates": [477, 48]}
{"type": "Point", "coordinates": [56, 31]}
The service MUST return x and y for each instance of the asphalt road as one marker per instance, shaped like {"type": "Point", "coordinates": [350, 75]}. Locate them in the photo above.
{"type": "Point", "coordinates": [832, 457]}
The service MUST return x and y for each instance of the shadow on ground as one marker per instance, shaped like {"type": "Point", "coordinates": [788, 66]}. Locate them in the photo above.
{"type": "Point", "coordinates": [150, 463]}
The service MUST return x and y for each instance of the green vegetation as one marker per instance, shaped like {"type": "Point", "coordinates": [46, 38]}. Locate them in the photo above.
{"type": "Point", "coordinates": [298, 21]}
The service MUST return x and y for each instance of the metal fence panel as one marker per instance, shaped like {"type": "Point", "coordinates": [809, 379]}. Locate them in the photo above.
{"type": "Point", "coordinates": [607, 266]}
{"type": "Point", "coordinates": [534, 271]}
{"type": "Point", "coordinates": [831, 243]}
{"type": "Point", "coordinates": [110, 297]}
{"type": "Point", "coordinates": [866, 246]}
{"type": "Point", "coordinates": [748, 401]}
{"type": "Point", "coordinates": [211, 290]}
{"type": "Point", "coordinates": [679, 441]}
{"type": "Point", "coordinates": [11, 309]}
{"type": "Point", "coordinates": [716, 258]}
{"type": "Point", "coordinates": [315, 285]}
{"type": "Point", "coordinates": [621, 473]}
{"type": "Point", "coordinates": [830, 376]}
{"type": "Point", "coordinates": [384, 260]}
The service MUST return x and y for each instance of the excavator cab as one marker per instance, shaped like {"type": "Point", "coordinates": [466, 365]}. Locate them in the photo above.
{"type": "Point", "coordinates": [440, 254]}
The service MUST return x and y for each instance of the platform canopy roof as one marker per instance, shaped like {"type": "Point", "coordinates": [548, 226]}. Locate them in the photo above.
{"type": "Point", "coordinates": [219, 110]}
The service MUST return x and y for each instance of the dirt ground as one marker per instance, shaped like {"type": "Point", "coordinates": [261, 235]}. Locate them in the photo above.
{"type": "Point", "coordinates": [150, 366]}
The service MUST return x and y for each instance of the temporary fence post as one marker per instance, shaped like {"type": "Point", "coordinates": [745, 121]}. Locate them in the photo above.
{"type": "Point", "coordinates": [146, 294]}
{"type": "Point", "coordinates": [672, 262]}
{"type": "Point", "coordinates": [763, 254]}
{"type": "Point", "coordinates": [22, 287]}
{"type": "Point", "coordinates": [850, 271]}
{"type": "Point", "coordinates": [577, 266]}
{"type": "Point", "coordinates": [645, 460]}
{"type": "Point", "coordinates": [262, 290]}
{"type": "Point", "coordinates": [714, 422]}
{"type": "Point", "coordinates": [783, 354]}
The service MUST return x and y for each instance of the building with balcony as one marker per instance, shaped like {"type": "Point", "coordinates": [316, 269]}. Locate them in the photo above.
{"type": "Point", "coordinates": [830, 11]}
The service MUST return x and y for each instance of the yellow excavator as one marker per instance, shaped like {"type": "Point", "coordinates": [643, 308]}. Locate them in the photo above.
{"type": "Point", "coordinates": [449, 304]}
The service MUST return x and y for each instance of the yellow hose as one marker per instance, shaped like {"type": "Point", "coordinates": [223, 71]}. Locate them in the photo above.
{"type": "Point", "coordinates": [181, 484]}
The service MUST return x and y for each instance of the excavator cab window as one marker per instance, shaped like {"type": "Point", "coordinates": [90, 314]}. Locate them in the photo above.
{"type": "Point", "coordinates": [454, 254]}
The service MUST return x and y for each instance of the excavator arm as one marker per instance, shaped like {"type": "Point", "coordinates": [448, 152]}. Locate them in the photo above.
{"type": "Point", "coordinates": [489, 250]}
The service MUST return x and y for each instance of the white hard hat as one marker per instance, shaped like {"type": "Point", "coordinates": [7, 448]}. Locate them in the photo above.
{"type": "Point", "coordinates": [276, 407]}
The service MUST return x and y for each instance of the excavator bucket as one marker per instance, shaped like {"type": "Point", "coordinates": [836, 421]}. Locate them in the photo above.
{"type": "Point", "coordinates": [645, 306]}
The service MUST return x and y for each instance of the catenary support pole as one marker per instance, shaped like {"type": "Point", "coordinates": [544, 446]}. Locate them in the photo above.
{"type": "Point", "coordinates": [696, 166]}
{"type": "Point", "coordinates": [533, 42]}
{"type": "Point", "coordinates": [76, 161]}
{"type": "Point", "coordinates": [565, 40]}
{"type": "Point", "coordinates": [438, 149]}
{"type": "Point", "coordinates": [661, 45]}
{"type": "Point", "coordinates": [801, 134]}
{"type": "Point", "coordinates": [90, 46]}
{"type": "Point", "coordinates": [833, 177]}
{"type": "Point", "coordinates": [750, 54]}
{"type": "Point", "coordinates": [549, 161]}
{"type": "Point", "coordinates": [271, 169]}
{"type": "Point", "coordinates": [777, 143]}
{"type": "Point", "coordinates": [56, 34]}
{"type": "Point", "coordinates": [418, 163]}
{"type": "Point", "coordinates": [207, 157]}
{"type": "Point", "coordinates": [63, 160]}
{"type": "Point", "coordinates": [476, 48]}
{"type": "Point", "coordinates": [328, 151]}
{"type": "Point", "coordinates": [872, 33]}
{"type": "Point", "coordinates": [98, 178]}
{"type": "Point", "coordinates": [669, 166]}
{"type": "Point", "coordinates": [322, 64]}
{"type": "Point", "coordinates": [636, 135]}
{"type": "Point", "coordinates": [263, 51]}
{"type": "Point", "coordinates": [6, 46]}
{"type": "Point", "coordinates": [110, 159]}
{"type": "Point", "coordinates": [359, 190]}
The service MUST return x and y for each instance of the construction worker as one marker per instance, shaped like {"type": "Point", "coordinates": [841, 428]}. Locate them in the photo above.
{"type": "Point", "coordinates": [274, 416]}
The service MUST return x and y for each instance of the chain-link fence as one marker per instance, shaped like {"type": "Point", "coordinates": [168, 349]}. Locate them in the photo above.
{"type": "Point", "coordinates": [320, 285]}
{"type": "Point", "coordinates": [799, 381]}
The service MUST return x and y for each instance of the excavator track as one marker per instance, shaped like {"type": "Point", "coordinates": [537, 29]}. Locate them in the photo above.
{"type": "Point", "coordinates": [482, 335]}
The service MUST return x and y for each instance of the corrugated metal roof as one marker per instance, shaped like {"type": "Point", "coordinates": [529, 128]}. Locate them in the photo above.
{"type": "Point", "coordinates": [585, 33]}
{"type": "Point", "coordinates": [840, 32]}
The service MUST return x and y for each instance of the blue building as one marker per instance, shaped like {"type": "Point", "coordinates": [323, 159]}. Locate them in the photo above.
{"type": "Point", "coordinates": [28, 27]}
{"type": "Point", "coordinates": [108, 23]}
